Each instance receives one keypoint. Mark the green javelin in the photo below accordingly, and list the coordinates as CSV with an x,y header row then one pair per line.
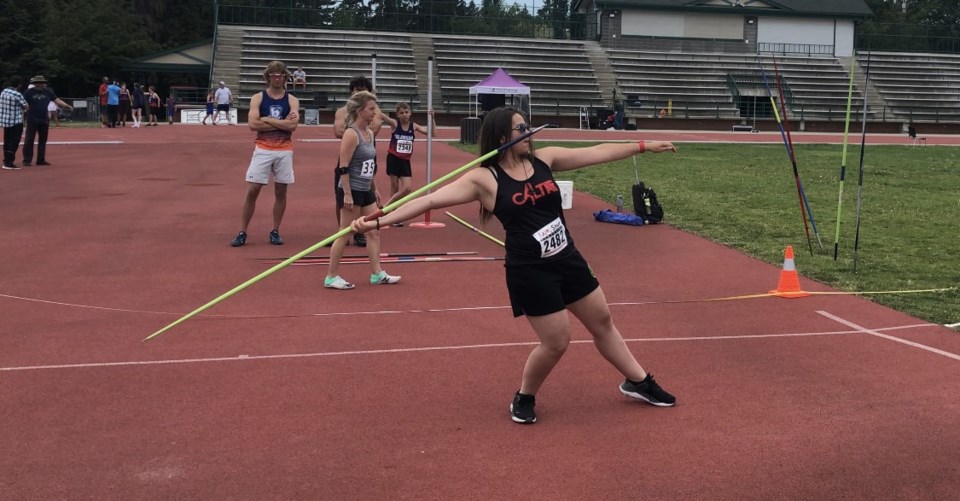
x,y
342,232
843,157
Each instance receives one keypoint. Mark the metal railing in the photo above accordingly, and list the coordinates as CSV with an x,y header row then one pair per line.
x,y
795,48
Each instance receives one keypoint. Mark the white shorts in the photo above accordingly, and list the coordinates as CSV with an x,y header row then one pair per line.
x,y
279,163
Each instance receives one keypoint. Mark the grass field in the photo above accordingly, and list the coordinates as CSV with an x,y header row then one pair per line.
x,y
744,196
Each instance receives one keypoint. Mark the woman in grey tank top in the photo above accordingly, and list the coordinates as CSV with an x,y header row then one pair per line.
x,y
357,192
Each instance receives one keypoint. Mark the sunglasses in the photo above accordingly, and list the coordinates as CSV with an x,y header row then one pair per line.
x,y
522,128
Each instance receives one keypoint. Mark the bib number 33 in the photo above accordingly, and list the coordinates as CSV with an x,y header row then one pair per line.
x,y
552,238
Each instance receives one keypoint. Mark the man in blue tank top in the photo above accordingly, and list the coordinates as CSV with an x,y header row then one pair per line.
x,y
274,115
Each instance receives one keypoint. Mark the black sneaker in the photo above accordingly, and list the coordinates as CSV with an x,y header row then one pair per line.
x,y
27,164
275,238
43,162
359,239
240,240
521,410
649,391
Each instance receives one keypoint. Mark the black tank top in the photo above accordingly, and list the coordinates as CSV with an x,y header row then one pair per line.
x,y
531,214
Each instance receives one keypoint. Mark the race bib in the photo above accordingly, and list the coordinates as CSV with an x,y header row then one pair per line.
x,y
368,168
404,146
552,238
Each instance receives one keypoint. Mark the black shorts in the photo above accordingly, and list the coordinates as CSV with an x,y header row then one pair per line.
x,y
223,107
399,167
360,198
548,287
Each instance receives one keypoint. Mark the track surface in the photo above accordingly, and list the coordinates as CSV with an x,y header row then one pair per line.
x,y
290,391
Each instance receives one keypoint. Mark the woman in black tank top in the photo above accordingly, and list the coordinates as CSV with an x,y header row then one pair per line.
x,y
546,275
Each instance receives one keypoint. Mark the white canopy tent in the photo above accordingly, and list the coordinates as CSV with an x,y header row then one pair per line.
x,y
500,82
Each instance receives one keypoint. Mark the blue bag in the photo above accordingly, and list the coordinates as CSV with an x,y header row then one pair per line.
x,y
608,216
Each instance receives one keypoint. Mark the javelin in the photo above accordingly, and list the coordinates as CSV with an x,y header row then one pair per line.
x,y
410,259
786,144
346,231
269,260
863,145
843,161
474,228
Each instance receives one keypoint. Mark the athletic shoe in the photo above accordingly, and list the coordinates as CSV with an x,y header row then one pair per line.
x,y
11,167
240,240
359,239
275,238
521,410
44,163
337,283
649,391
383,278
27,164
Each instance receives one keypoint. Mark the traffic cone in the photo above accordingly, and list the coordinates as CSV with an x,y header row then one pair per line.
x,y
789,285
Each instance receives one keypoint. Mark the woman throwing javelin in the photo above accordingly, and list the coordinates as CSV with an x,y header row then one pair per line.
x,y
545,273
357,194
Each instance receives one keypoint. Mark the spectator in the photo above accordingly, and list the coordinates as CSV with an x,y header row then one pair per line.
x,y
210,104
136,103
357,193
358,83
299,78
38,119
662,113
401,150
103,101
124,103
153,100
171,107
113,103
12,107
54,112
274,117
224,98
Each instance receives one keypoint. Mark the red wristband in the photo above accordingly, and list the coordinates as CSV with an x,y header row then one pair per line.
x,y
642,146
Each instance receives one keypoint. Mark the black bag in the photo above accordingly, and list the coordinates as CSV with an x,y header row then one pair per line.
x,y
645,202
646,205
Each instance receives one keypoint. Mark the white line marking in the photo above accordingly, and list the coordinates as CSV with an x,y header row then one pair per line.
x,y
952,326
427,348
873,332
85,142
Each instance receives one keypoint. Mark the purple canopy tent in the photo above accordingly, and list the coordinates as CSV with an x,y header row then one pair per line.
x,y
500,82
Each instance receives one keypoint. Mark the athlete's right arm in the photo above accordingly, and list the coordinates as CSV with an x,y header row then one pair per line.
x,y
253,117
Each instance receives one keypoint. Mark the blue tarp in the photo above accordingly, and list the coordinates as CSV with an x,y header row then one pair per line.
x,y
608,216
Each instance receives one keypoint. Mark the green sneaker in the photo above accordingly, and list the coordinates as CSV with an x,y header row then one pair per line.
x,y
383,278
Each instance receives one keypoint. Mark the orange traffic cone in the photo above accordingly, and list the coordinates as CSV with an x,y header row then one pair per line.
x,y
789,285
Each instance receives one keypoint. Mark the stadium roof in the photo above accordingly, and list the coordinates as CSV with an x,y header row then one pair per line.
x,y
805,8
192,58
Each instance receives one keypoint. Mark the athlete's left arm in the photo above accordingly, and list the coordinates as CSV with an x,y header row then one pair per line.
x,y
561,159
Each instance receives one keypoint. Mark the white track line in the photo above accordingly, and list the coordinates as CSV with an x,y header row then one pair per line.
x,y
874,332
84,142
952,326
423,349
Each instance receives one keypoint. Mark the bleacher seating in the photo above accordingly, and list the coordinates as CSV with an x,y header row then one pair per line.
x,y
916,87
563,77
559,73
696,83
330,59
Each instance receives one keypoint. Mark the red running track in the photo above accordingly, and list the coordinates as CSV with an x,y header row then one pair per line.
x,y
290,391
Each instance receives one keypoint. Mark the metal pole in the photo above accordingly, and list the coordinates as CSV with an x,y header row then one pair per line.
x,y
426,217
373,70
